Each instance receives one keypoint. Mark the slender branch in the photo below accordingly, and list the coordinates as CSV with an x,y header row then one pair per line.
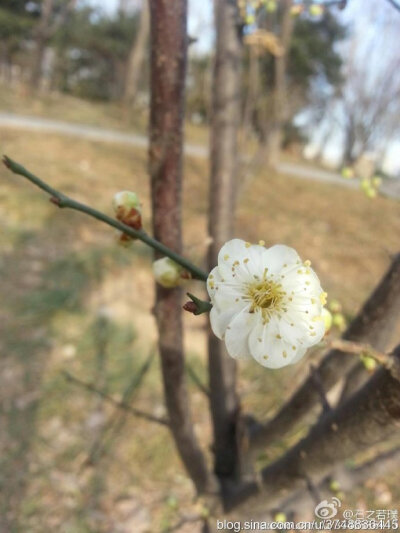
x,y
117,419
111,400
61,200
375,324
369,417
394,4
316,379
356,348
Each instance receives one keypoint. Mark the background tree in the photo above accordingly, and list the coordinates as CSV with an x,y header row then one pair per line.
x,y
53,14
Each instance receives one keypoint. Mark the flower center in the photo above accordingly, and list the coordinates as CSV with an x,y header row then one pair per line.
x,y
266,296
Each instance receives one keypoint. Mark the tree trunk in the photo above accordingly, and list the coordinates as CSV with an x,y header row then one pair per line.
x,y
41,39
136,57
275,135
375,325
224,146
44,31
168,67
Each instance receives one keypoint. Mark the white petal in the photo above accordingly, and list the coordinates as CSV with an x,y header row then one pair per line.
x,y
241,260
270,348
301,352
219,321
214,278
277,256
229,295
237,334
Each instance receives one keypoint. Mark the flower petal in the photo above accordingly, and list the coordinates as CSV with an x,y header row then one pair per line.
x,y
279,257
237,334
219,321
270,348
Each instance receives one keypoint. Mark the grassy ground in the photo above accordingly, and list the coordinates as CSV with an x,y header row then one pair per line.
x,y
67,108
71,300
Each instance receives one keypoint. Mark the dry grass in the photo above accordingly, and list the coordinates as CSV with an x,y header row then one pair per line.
x,y
64,282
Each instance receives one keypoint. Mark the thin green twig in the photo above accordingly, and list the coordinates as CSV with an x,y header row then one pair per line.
x,y
61,200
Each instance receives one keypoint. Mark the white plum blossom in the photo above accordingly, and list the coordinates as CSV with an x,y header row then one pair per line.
x,y
267,303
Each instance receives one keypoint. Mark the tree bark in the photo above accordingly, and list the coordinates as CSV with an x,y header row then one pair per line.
x,y
374,325
44,31
42,36
369,417
136,57
168,67
224,402
275,135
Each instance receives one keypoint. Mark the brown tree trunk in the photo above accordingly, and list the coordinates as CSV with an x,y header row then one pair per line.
x,y
136,57
44,31
41,39
275,135
225,119
375,325
168,67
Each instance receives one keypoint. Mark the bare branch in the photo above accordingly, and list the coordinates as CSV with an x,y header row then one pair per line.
x,y
374,324
371,416
320,388
61,200
387,360
117,420
122,405
394,4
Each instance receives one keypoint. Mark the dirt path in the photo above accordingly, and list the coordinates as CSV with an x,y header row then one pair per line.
x,y
10,120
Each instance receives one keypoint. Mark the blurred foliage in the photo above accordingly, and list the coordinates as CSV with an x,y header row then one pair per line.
x,y
313,52
92,52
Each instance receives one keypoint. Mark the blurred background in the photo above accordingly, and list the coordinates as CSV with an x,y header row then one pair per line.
x,y
74,103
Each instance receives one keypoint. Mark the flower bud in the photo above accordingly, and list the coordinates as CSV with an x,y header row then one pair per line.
x,y
335,306
327,318
347,172
339,321
369,363
371,192
334,485
376,182
280,517
127,209
271,6
316,10
168,273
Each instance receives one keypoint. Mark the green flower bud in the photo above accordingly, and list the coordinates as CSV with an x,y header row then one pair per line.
x,y
316,10
369,362
376,181
347,172
339,321
271,6
168,273
327,318
334,485
335,306
280,517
